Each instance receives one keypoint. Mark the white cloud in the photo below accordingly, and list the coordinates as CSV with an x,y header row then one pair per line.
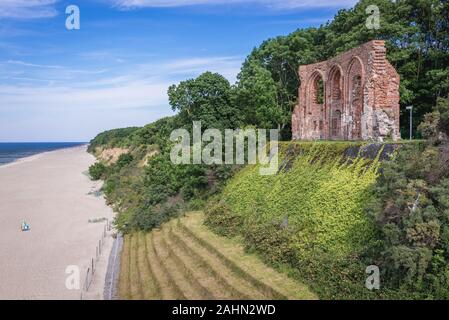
x,y
131,95
34,65
27,9
227,66
79,107
137,86
275,4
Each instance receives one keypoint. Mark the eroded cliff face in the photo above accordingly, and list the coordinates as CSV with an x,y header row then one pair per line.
x,y
109,155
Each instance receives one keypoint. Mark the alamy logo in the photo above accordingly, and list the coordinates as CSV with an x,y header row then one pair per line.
x,y
233,144
373,280
72,282
373,21
73,21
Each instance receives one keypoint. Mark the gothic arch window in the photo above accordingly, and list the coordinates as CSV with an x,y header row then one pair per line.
x,y
316,89
335,82
319,91
355,97
316,105
335,100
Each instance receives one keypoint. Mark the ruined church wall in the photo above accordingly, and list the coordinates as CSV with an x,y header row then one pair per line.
x,y
360,98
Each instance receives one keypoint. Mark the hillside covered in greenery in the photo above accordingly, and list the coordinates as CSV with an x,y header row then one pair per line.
x,y
329,212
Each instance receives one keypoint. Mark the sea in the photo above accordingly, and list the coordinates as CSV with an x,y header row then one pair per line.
x,y
11,151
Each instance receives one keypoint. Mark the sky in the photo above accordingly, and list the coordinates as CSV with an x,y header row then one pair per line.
x,y
69,85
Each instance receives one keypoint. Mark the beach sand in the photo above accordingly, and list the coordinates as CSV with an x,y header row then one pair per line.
x,y
51,192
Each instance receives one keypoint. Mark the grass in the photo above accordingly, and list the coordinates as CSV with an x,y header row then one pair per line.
x,y
184,260
231,252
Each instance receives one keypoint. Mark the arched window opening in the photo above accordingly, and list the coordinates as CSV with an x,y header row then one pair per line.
x,y
357,88
319,91
357,105
336,91
315,106
335,104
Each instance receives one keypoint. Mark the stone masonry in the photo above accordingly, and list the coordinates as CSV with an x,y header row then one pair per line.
x,y
353,96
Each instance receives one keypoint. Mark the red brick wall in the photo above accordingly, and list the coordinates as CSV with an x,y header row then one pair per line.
x,y
361,97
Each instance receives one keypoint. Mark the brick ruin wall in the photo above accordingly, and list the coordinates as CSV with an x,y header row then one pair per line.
x,y
353,96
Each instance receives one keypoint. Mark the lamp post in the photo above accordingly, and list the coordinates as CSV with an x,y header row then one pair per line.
x,y
410,108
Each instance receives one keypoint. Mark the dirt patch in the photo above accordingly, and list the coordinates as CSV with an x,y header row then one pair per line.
x,y
110,156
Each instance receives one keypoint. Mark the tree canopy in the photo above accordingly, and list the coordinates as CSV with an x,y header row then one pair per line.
x,y
206,99
416,33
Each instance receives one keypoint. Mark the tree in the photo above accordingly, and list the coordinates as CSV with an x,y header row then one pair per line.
x,y
206,99
443,110
280,57
256,94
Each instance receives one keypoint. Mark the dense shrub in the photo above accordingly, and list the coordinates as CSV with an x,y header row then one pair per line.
x,y
124,160
443,110
148,218
411,210
97,171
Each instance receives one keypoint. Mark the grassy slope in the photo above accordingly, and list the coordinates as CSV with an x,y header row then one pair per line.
x,y
309,219
323,196
184,260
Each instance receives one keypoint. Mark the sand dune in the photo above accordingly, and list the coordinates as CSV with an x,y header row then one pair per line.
x,y
50,191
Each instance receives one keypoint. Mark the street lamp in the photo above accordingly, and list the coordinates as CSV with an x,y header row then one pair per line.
x,y
410,108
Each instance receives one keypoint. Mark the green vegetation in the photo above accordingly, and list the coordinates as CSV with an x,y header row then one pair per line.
x,y
325,218
206,99
312,195
144,186
97,171
309,218
416,34
328,213
184,260
411,210
112,138
417,40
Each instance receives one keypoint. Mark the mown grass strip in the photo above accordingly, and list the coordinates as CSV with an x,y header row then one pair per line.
x,y
267,290
185,269
167,290
179,293
150,288
124,288
136,292
235,293
251,263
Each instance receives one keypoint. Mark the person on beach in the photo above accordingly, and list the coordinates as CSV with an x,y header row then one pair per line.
x,y
25,226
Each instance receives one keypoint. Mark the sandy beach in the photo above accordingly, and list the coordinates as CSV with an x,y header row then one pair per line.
x,y
52,193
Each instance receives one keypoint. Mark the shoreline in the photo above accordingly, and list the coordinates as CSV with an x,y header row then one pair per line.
x,y
51,191
38,155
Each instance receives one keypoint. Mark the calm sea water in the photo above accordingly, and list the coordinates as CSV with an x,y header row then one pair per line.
x,y
10,152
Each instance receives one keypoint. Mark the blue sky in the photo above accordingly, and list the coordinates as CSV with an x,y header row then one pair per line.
x,y
61,85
